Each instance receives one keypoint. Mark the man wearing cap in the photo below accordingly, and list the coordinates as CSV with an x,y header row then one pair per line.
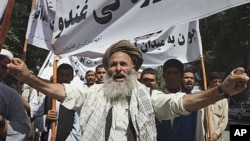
x,y
121,108
5,57
13,118
182,128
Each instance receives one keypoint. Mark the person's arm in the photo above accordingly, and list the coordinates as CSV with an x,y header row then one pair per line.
x,y
20,71
235,83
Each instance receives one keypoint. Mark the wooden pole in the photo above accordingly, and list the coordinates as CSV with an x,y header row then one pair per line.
x,y
53,124
207,109
25,46
6,21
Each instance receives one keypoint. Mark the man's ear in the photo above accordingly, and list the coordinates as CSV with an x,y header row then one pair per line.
x,y
134,67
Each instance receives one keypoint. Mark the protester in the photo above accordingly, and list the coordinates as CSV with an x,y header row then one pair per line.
x,y
13,117
170,130
68,125
90,77
29,98
218,110
100,73
121,108
149,78
188,81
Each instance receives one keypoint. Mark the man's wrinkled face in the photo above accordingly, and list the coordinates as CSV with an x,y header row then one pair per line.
x,y
3,69
120,62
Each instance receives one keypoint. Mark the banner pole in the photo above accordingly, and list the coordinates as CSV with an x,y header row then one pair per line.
x,y
6,21
53,123
207,109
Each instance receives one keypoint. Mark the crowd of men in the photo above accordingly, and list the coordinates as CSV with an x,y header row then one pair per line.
x,y
113,104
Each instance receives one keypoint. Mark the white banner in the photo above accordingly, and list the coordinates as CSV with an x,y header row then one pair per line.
x,y
81,25
3,4
80,65
41,23
182,42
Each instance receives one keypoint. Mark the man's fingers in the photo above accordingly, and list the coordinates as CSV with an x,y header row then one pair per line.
x,y
238,71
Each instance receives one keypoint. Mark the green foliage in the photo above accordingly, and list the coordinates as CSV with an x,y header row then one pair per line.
x,y
225,39
15,38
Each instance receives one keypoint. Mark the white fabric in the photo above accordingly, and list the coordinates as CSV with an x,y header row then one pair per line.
x,y
81,25
2,7
30,95
120,112
84,36
89,100
6,53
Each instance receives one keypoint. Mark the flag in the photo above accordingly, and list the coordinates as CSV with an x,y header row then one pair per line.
x,y
81,25
80,65
3,7
158,28
41,23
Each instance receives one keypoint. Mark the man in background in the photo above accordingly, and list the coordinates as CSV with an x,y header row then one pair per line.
x,y
218,110
68,122
182,128
90,77
188,81
100,73
149,78
14,122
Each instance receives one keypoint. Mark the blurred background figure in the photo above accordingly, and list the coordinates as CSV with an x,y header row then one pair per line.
x,y
149,78
100,73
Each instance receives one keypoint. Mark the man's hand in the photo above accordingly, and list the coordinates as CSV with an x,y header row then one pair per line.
x,y
18,69
52,115
235,82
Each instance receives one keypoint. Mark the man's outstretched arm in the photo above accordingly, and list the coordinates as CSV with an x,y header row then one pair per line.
x,y
234,83
19,70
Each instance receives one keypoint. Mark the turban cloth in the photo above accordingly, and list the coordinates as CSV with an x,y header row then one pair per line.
x,y
126,47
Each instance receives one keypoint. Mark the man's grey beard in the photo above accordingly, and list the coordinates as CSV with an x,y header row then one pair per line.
x,y
115,90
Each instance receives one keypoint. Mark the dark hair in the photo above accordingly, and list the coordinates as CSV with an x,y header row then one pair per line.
x,y
216,75
65,66
149,71
99,66
173,63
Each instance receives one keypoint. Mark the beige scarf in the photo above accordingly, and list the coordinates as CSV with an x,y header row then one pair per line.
x,y
141,110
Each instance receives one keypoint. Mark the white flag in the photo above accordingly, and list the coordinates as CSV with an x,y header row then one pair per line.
x,y
3,4
81,25
80,65
41,23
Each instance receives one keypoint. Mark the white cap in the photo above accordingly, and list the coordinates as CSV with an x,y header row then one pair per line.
x,y
6,53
